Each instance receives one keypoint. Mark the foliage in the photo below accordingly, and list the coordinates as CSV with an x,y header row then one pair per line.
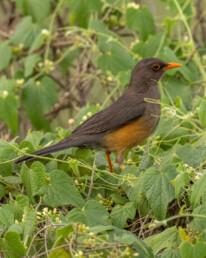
x,y
70,55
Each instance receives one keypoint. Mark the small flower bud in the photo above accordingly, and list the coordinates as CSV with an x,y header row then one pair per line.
x,y
45,32
84,118
71,121
133,5
20,82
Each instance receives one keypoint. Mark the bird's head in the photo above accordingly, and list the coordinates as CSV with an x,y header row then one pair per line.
x,y
152,68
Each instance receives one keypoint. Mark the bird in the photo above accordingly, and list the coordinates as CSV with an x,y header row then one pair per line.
x,y
127,122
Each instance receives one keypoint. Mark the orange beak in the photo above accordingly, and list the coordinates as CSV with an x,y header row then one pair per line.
x,y
170,66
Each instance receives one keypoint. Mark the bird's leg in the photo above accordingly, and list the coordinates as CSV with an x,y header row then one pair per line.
x,y
119,159
109,161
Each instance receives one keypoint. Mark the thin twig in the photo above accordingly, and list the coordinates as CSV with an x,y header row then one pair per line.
x,y
76,235
51,250
63,43
191,56
61,85
92,180
52,20
143,223
45,244
103,248
48,226
5,34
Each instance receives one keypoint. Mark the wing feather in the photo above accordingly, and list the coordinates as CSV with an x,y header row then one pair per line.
x,y
125,110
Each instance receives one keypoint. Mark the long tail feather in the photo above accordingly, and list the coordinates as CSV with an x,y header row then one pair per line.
x,y
57,147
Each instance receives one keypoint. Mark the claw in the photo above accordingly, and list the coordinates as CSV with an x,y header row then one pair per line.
x,y
121,166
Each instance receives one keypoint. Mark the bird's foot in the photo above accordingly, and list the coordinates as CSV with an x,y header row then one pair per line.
x,y
121,166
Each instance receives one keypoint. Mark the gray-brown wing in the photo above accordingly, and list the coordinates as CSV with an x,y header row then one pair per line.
x,y
126,109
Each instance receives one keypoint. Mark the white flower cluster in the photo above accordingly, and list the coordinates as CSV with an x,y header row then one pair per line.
x,y
133,5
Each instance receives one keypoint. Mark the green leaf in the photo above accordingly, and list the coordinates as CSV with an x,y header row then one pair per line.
x,y
34,137
29,64
92,214
181,180
12,180
95,213
7,153
39,41
170,23
14,243
18,206
202,113
77,215
124,77
62,233
5,169
120,214
8,85
125,237
68,60
187,9
2,191
5,54
33,178
62,191
118,59
165,129
30,222
167,238
26,32
193,251
82,10
158,189
8,107
26,146
6,215
198,189
134,193
74,165
38,9
170,253
106,37
175,87
190,155
37,98
118,199
141,20
60,253
18,228
199,223
168,55
151,46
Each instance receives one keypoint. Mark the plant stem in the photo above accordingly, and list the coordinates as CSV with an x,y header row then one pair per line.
x,y
50,29
196,58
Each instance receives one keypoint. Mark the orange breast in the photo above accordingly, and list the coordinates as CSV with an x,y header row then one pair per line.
x,y
127,137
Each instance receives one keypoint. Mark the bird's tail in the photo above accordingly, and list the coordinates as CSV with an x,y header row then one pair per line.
x,y
57,147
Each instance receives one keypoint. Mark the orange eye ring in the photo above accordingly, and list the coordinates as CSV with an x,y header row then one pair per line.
x,y
156,67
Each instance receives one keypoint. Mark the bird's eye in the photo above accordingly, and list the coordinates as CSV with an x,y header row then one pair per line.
x,y
156,67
